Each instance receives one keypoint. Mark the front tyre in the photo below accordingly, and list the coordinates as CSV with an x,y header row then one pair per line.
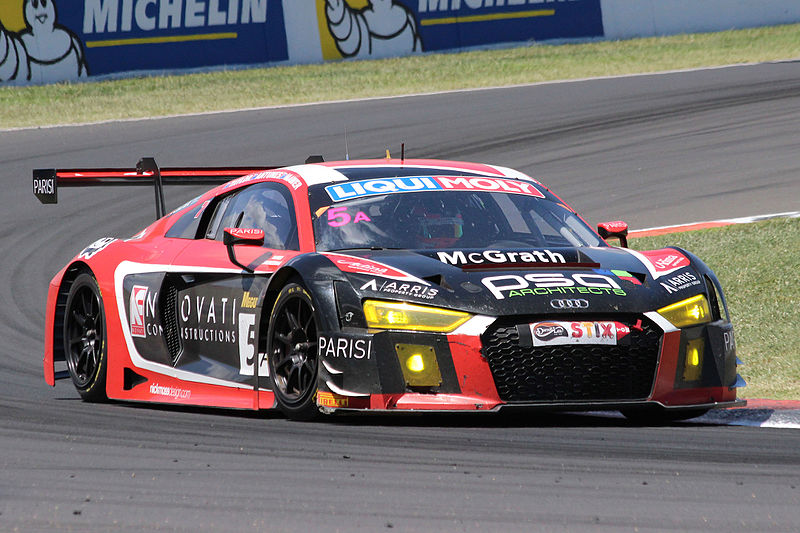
x,y
85,338
292,353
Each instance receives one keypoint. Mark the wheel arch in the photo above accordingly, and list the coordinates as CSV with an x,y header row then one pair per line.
x,y
317,274
69,276
87,324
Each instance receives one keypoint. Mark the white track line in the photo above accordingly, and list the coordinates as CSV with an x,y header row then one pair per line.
x,y
740,220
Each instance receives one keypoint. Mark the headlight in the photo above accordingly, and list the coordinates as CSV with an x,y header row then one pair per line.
x,y
400,315
688,312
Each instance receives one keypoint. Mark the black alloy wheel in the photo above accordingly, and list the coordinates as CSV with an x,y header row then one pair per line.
x,y
85,338
292,353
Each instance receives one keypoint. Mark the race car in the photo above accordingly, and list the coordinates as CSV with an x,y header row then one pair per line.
x,y
389,285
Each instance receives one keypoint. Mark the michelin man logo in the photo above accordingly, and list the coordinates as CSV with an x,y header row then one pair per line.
x,y
381,28
41,51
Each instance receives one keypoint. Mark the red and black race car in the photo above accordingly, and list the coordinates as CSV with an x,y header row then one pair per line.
x,y
383,285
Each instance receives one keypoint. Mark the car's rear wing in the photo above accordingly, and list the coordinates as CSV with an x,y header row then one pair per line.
x,y
46,182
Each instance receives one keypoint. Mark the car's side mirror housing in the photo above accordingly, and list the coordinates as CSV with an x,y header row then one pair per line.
x,y
615,230
241,237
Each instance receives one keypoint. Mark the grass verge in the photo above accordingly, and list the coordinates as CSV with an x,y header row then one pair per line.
x,y
235,89
758,267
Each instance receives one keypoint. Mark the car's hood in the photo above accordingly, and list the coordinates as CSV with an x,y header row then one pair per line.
x,y
525,281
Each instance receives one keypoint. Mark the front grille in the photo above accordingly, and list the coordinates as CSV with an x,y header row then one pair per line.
x,y
169,321
572,372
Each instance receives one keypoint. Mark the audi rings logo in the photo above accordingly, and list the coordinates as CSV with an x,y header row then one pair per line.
x,y
572,303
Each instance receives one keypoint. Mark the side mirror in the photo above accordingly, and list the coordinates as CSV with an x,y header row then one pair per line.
x,y
616,230
241,236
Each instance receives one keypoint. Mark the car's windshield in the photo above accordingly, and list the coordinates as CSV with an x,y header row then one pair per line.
x,y
452,219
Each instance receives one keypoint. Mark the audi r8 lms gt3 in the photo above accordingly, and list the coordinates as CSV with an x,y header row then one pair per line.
x,y
383,285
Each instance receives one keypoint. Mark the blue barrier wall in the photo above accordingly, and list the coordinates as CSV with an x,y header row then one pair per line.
x,y
442,29
380,28
43,41
126,35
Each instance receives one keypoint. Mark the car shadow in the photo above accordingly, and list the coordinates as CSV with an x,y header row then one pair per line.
x,y
518,417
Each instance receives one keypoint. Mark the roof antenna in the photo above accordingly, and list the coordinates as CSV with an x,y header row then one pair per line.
x,y
402,153
346,149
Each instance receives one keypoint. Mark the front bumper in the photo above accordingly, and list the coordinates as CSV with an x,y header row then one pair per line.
x,y
492,368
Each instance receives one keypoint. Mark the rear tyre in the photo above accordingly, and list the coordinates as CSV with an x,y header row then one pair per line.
x,y
292,353
85,338
659,415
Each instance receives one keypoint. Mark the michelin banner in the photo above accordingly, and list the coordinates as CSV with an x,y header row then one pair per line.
x,y
380,28
45,41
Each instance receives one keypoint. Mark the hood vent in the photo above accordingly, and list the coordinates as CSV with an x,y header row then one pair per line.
x,y
438,279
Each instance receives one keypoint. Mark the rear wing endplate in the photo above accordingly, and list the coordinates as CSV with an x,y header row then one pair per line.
x,y
46,182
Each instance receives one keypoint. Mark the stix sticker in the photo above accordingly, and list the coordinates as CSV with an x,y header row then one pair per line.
x,y
558,333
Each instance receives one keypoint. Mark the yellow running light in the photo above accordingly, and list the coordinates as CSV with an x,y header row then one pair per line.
x,y
688,312
401,315
419,365
693,364
416,363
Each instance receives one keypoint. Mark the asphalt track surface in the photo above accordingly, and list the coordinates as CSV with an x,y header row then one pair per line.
x,y
653,150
